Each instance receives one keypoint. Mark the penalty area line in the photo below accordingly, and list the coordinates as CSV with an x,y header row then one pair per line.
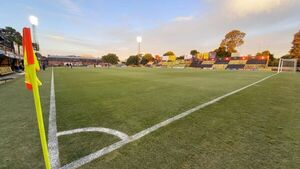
x,y
116,133
86,159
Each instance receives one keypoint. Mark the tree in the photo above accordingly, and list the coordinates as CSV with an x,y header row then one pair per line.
x,y
194,52
272,60
11,35
232,40
287,56
169,53
180,58
110,58
266,53
258,54
147,58
295,50
157,58
133,60
222,53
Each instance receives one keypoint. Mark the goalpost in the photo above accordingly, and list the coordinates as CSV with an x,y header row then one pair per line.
x,y
287,65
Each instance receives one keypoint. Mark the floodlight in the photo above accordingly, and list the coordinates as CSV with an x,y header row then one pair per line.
x,y
139,39
33,20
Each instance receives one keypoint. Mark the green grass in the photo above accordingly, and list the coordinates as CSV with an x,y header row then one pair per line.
x,y
256,128
19,138
74,147
131,100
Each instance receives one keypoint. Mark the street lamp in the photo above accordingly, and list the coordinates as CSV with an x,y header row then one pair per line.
x,y
34,23
139,41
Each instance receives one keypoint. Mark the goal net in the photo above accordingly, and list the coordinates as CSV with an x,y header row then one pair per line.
x,y
287,65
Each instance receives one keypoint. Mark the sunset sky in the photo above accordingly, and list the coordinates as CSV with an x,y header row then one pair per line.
x,y
98,27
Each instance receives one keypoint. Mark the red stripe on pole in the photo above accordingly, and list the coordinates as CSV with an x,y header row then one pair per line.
x,y
27,45
28,86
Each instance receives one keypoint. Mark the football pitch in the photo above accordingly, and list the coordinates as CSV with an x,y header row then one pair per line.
x,y
156,118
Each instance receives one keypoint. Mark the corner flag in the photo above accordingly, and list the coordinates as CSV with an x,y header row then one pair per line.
x,y
32,83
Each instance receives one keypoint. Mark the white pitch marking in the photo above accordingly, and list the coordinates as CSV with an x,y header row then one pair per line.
x,y
52,130
86,159
119,134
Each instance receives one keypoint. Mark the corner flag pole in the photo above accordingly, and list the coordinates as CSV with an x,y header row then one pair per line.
x,y
33,83
40,120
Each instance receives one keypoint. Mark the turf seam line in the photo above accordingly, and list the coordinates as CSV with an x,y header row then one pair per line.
x,y
86,159
117,133
52,129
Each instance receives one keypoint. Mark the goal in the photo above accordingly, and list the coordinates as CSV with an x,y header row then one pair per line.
x,y
287,65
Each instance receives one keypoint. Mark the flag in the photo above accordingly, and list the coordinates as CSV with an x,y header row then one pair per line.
x,y
32,83
30,59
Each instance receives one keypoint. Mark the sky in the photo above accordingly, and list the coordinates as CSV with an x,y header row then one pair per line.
x,y
97,27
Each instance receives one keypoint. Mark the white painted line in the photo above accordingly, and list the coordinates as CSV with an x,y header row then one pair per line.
x,y
52,130
117,133
117,145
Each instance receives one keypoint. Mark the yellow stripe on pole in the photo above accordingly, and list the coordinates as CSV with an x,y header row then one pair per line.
x,y
39,115
32,83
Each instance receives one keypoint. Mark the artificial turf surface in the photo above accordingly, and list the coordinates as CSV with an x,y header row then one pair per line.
x,y
256,128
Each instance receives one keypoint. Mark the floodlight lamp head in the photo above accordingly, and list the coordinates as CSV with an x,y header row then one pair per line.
x,y
33,20
139,39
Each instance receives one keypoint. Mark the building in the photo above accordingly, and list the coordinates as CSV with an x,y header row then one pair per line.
x,y
55,60
10,58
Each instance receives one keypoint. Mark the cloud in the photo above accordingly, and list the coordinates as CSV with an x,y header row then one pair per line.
x,y
183,18
71,40
70,6
59,44
247,7
55,37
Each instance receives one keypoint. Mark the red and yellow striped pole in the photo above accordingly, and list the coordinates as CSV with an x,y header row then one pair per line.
x,y
32,83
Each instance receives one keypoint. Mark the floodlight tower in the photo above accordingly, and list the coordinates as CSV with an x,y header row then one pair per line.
x,y
34,23
139,41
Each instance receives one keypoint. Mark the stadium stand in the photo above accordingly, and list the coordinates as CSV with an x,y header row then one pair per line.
x,y
54,60
235,67
196,63
208,64
174,64
10,58
254,64
180,64
236,64
233,63
5,70
220,64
